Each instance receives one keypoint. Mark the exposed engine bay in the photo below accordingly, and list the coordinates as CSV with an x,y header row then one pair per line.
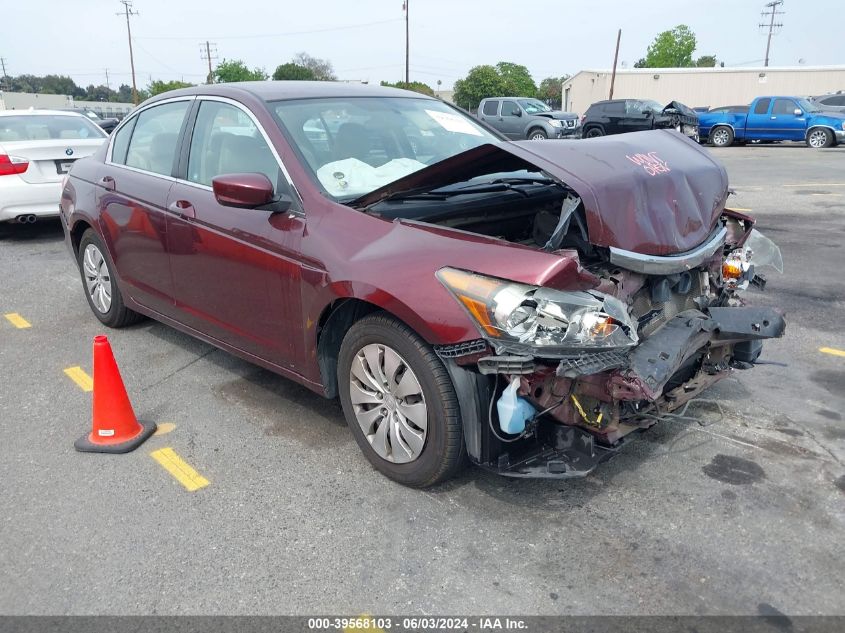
x,y
562,375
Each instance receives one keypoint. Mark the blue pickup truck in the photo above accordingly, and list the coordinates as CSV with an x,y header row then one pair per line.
x,y
774,119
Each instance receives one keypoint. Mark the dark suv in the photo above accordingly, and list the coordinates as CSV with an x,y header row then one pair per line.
x,y
634,115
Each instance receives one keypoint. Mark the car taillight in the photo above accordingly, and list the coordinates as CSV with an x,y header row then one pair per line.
x,y
12,165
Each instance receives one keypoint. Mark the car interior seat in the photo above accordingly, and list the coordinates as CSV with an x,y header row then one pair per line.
x,y
247,154
352,141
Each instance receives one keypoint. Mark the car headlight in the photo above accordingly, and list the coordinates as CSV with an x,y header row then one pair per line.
x,y
555,122
514,316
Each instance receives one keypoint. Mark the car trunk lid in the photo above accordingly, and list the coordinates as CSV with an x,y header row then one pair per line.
x,y
49,159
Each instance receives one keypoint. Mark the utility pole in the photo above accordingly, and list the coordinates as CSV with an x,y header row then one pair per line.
x,y
615,59
771,13
206,53
407,46
108,86
128,11
4,75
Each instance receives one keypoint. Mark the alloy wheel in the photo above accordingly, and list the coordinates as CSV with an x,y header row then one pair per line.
x,y
388,402
97,278
720,137
818,139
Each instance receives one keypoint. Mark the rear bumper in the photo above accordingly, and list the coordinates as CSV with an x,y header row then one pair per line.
x,y
18,197
594,402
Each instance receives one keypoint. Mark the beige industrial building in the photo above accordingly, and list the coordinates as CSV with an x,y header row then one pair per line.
x,y
700,87
26,100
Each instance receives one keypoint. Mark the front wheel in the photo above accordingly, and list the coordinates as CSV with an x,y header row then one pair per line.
x,y
100,285
537,135
400,402
819,138
721,136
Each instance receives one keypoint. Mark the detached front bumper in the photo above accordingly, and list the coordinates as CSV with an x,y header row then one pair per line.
x,y
593,401
840,136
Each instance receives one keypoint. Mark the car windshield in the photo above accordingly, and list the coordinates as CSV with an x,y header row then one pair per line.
x,y
532,106
47,126
355,145
807,106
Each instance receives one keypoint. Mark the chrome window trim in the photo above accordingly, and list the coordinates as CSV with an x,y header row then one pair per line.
x,y
135,113
264,134
669,264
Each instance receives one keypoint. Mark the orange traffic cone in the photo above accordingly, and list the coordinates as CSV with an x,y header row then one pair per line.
x,y
115,427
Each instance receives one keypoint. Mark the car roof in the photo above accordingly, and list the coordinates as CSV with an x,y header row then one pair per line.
x,y
281,90
40,113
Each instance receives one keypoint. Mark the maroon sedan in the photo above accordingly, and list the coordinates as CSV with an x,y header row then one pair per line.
x,y
527,305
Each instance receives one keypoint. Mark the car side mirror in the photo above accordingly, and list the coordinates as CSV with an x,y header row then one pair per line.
x,y
517,112
247,191
647,112
797,112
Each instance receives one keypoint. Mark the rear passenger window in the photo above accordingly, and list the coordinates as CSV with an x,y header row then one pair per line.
x,y
227,141
156,136
120,144
784,106
490,108
762,106
617,107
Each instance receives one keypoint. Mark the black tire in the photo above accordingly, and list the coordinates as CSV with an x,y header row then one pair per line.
x,y
593,132
443,453
118,315
819,132
721,136
537,134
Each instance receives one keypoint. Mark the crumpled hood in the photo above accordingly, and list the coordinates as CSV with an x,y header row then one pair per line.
x,y
655,192
557,114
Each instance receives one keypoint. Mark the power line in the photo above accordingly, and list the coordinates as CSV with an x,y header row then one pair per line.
x,y
289,33
771,13
208,53
128,11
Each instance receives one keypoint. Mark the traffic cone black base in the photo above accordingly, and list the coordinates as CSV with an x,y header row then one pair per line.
x,y
85,445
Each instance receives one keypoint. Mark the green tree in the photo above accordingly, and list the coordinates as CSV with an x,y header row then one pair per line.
x,y
481,82
292,71
670,49
706,61
236,70
550,90
518,81
97,93
157,87
322,68
415,86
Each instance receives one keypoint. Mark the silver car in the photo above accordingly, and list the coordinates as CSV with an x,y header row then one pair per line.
x,y
520,118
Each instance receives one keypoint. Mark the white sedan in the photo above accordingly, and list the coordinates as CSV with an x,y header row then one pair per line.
x,y
37,149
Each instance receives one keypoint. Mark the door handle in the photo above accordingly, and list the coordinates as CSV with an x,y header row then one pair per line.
x,y
183,208
107,182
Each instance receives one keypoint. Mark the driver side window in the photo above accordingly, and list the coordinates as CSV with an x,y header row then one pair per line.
x,y
226,141
509,108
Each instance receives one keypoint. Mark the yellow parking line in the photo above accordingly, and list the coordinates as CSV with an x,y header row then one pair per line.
x,y
78,375
832,350
180,469
17,320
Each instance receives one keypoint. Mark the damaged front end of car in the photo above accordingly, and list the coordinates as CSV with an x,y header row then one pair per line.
x,y
561,376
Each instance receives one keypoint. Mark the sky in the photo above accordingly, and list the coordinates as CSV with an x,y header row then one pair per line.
x,y
365,39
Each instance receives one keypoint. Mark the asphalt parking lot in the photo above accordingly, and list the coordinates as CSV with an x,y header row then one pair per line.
x,y
738,515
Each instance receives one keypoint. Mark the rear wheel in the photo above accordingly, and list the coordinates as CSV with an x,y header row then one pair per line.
x,y
537,135
400,403
100,285
820,137
593,132
721,136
